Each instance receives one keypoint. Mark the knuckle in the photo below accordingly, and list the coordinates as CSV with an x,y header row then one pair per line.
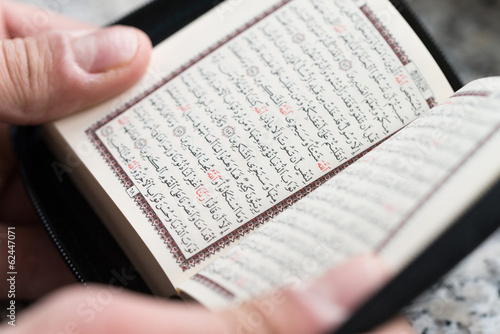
x,y
247,318
12,71
285,312
25,76
265,315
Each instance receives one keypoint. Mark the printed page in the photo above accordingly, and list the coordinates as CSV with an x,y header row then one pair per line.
x,y
393,201
282,97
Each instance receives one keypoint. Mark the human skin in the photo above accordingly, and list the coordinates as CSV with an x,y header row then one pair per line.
x,y
51,69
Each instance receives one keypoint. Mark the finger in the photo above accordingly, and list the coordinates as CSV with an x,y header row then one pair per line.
x,y
319,307
55,73
22,20
322,306
40,268
104,310
397,326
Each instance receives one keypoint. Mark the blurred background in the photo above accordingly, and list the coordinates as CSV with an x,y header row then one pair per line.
x,y
468,31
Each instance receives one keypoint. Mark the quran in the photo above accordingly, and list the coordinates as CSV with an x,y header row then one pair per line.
x,y
271,140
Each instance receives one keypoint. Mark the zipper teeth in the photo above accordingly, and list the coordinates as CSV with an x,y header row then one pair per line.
x,y
41,214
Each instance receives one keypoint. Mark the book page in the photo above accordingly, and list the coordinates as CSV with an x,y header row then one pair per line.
x,y
283,96
393,201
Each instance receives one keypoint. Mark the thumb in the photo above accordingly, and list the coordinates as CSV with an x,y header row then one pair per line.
x,y
58,72
316,308
319,307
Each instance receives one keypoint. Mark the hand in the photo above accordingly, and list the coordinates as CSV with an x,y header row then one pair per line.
x,y
58,69
47,71
319,307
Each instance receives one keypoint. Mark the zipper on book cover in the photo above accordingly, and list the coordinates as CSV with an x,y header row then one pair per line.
x,y
45,221
52,235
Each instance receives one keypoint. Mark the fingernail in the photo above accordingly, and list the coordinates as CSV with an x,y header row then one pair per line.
x,y
334,296
105,49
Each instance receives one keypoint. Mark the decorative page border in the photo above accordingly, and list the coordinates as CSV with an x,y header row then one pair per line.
x,y
141,202
219,289
384,32
392,42
472,93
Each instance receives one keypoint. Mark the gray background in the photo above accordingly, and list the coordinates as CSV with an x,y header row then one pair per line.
x,y
468,31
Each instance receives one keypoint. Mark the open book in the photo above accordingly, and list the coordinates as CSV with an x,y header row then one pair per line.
x,y
272,139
